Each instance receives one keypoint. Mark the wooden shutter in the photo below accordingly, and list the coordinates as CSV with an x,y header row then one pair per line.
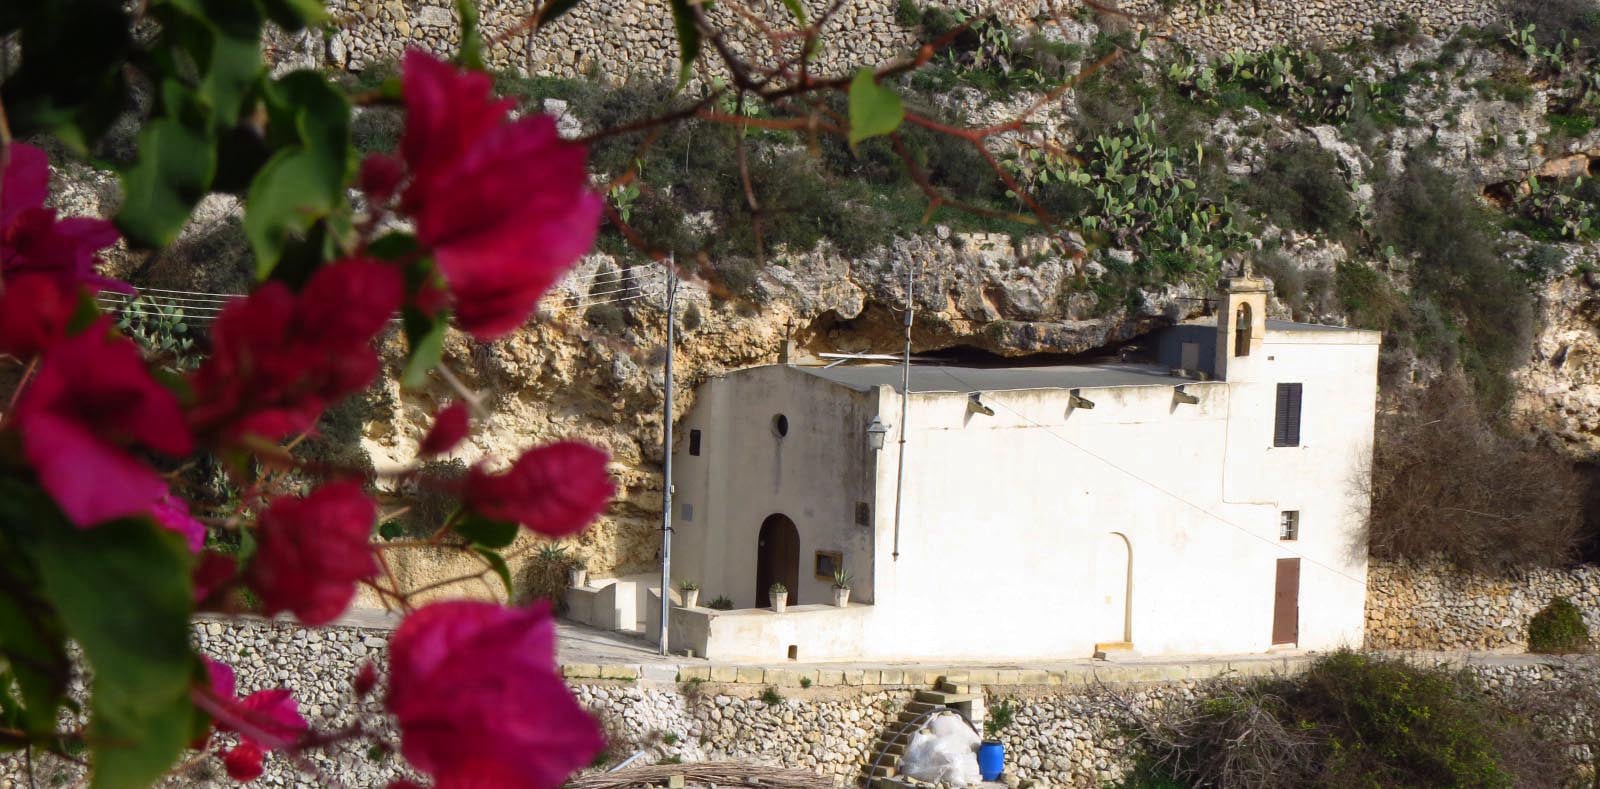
x,y
1286,420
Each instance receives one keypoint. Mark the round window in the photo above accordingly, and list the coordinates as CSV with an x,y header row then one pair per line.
x,y
780,425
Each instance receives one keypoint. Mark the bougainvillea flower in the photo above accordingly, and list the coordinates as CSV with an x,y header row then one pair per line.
x,y
365,680
91,402
172,513
505,206
265,719
450,425
555,490
33,240
34,311
313,551
212,572
243,761
479,702
279,358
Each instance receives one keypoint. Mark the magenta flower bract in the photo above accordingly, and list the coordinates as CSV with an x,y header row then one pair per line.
x,y
91,402
34,241
313,551
450,425
504,205
479,702
555,490
279,358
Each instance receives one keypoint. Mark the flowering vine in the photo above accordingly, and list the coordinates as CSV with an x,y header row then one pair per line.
x,y
97,542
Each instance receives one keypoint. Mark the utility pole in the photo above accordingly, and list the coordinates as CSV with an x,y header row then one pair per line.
x,y
666,454
905,400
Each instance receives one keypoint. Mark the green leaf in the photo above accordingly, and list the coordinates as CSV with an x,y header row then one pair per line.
x,y
471,55
485,532
498,562
294,15
286,198
554,9
796,10
174,170
122,589
425,341
31,635
688,39
874,109
71,80
304,181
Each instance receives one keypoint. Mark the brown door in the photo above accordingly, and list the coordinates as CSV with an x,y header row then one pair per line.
x,y
1286,603
778,559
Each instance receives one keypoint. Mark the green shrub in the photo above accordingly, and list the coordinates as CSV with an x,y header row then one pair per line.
x,y
1350,720
1558,629
1302,187
771,697
1429,215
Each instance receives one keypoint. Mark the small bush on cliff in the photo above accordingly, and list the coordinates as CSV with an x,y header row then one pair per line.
x,y
1350,720
1301,187
1430,216
1447,485
1558,629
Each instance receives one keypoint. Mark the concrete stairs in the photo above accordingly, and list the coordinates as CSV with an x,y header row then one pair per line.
x,y
883,766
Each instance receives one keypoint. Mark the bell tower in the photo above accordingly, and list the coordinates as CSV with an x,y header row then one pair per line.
x,y
1241,323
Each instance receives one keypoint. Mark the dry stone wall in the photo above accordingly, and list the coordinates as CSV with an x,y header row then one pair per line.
x,y
1070,732
1435,607
618,39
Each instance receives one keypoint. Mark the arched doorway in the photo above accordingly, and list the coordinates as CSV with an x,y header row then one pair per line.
x,y
1113,573
777,559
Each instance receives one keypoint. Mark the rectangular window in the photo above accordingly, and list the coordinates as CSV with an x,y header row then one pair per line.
x,y
827,563
1289,525
1286,424
863,514
694,442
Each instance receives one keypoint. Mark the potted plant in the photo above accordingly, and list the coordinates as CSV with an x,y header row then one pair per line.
x,y
841,588
578,574
780,597
691,593
992,753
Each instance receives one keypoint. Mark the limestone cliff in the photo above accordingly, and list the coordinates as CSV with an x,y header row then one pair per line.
x,y
567,376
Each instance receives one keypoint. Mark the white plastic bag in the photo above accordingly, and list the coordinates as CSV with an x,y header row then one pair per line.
x,y
944,752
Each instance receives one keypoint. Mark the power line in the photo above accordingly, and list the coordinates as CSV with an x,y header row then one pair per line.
x,y
1180,499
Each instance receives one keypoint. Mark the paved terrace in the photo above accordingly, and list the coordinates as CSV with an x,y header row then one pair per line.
x,y
591,653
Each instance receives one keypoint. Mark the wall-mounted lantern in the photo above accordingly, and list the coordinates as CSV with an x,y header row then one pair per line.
x,y
876,430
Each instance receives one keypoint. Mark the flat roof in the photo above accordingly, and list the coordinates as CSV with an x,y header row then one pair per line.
x,y
965,380
1277,325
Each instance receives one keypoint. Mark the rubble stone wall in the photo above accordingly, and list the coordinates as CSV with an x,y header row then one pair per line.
x,y
616,39
1434,607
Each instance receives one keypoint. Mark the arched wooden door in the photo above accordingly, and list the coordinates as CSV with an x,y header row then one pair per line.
x,y
778,559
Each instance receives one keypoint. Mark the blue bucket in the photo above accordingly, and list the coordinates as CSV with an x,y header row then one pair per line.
x,y
991,760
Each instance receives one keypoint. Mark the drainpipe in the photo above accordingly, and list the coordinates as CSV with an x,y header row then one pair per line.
x,y
905,401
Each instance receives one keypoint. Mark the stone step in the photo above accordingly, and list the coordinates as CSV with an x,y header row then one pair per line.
x,y
943,699
921,706
945,685
895,737
1110,650
906,716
